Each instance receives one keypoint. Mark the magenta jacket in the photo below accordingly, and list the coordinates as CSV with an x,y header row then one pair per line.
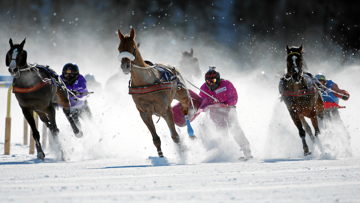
x,y
225,93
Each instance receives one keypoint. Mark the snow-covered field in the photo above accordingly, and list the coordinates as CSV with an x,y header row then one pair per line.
x,y
116,160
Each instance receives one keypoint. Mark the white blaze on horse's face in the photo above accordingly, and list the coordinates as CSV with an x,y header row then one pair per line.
x,y
13,59
294,61
126,54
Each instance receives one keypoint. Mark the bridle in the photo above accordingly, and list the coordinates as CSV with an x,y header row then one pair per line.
x,y
126,54
15,71
294,57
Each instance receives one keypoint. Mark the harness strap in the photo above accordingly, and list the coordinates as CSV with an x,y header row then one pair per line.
x,y
150,89
35,87
294,53
298,93
216,100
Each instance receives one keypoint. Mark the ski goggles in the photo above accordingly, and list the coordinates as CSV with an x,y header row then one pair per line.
x,y
211,80
69,74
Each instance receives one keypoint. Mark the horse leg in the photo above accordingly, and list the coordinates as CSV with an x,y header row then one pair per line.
x,y
169,118
64,101
183,97
48,117
147,118
307,128
320,106
314,121
298,124
28,113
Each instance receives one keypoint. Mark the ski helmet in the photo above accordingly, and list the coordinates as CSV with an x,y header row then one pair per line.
x,y
212,78
70,73
321,78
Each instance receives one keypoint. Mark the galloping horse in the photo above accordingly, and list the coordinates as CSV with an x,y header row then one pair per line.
x,y
302,98
35,91
189,65
151,94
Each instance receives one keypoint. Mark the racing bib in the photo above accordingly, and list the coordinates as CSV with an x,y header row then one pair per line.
x,y
223,89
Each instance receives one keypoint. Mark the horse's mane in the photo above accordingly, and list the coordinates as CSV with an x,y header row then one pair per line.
x,y
164,65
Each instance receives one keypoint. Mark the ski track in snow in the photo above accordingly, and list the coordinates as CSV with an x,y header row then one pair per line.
x,y
116,160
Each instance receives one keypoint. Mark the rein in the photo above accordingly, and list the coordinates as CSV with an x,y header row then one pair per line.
x,y
34,68
326,88
216,100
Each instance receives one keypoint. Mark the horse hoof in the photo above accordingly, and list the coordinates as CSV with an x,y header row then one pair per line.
x,y
193,137
64,156
245,158
79,134
307,153
41,155
160,154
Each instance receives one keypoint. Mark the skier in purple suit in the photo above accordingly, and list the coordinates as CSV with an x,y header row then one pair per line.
x,y
78,94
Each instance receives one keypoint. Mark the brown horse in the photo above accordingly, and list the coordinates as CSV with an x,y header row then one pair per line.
x,y
151,95
302,98
189,65
35,91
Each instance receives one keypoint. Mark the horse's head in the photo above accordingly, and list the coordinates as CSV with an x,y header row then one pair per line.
x,y
16,58
188,61
128,51
186,54
294,62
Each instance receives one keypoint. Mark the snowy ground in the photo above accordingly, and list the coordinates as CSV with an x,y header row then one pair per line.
x,y
24,179
116,160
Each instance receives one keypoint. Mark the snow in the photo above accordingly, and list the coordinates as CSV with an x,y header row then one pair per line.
x,y
116,160
122,179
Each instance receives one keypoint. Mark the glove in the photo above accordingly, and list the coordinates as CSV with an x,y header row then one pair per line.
x,y
345,97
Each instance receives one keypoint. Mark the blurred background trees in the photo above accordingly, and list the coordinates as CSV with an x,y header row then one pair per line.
x,y
242,27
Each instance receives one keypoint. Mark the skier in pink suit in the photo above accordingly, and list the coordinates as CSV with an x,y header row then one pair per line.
x,y
219,97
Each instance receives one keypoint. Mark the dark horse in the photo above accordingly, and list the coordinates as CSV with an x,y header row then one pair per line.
x,y
302,98
151,95
189,65
35,91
